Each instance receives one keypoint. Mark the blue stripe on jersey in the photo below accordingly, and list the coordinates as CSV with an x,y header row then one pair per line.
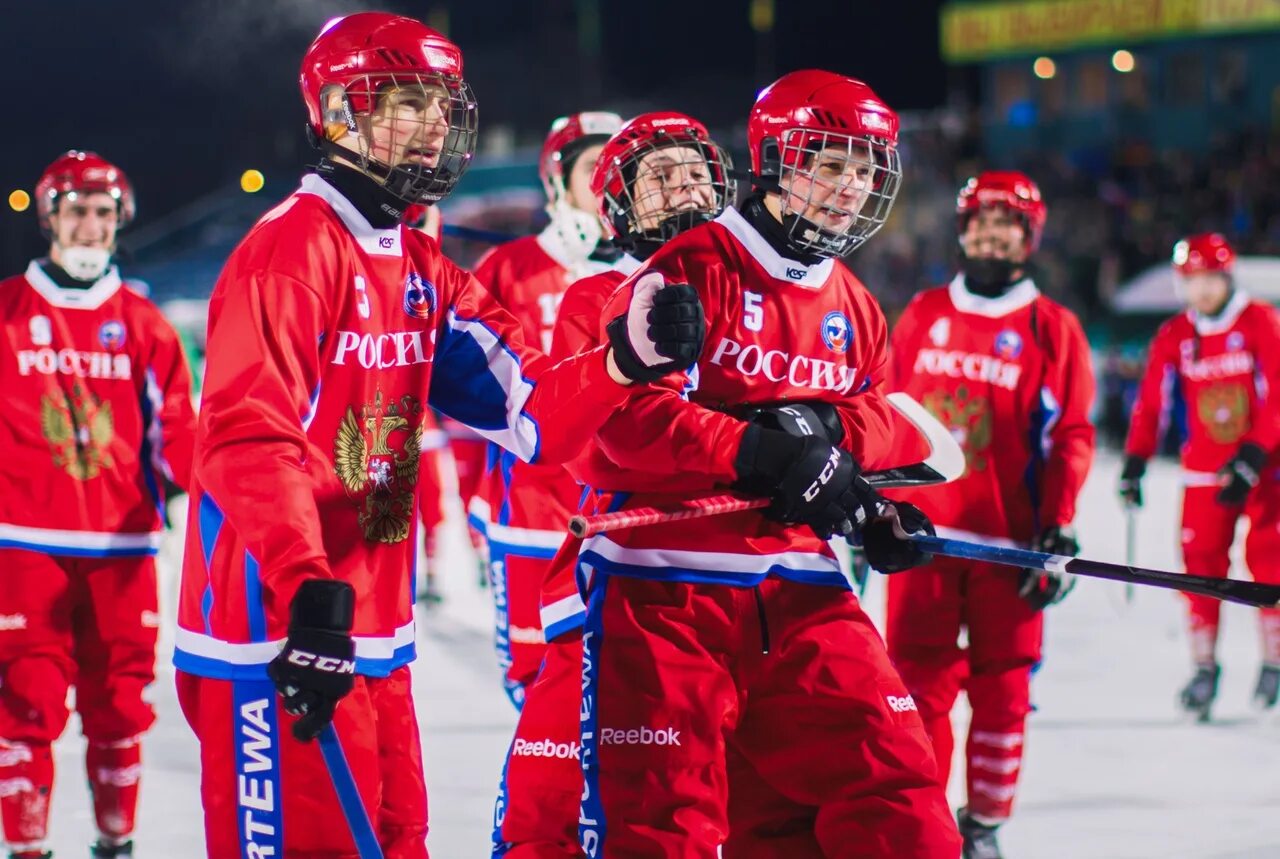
x,y
145,452
501,606
76,551
478,381
221,669
541,553
1043,420
311,405
344,783
260,797
712,577
591,822
209,520
501,847
506,461
256,612
560,627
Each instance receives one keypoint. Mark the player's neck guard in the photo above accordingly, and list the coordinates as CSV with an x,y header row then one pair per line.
x,y
990,277
381,208
755,213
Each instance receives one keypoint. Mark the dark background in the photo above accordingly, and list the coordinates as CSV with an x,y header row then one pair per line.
x,y
184,96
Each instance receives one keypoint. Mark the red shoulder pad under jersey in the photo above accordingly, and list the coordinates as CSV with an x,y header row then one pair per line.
x,y
1154,402
1070,438
1263,324
578,319
770,339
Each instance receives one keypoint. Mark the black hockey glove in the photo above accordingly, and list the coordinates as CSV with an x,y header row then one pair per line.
x,y
661,332
1130,488
1043,588
1240,474
800,418
810,481
317,666
884,538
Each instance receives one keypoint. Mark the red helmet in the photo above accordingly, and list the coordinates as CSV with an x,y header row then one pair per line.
x,y
1007,188
1204,252
614,179
806,112
359,59
568,136
77,171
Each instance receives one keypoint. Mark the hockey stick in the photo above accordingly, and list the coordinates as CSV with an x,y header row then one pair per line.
x,y
1130,546
1230,590
944,464
475,234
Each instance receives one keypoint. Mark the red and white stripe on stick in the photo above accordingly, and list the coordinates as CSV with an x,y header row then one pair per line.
x,y
944,464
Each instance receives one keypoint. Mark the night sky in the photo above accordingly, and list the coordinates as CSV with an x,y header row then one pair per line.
x,y
185,95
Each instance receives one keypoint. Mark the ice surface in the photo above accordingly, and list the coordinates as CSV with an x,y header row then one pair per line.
x,y
1112,771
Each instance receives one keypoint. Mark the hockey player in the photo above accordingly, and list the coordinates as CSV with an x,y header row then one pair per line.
x,y
1222,352
331,329
658,176
100,422
1008,370
528,505
718,647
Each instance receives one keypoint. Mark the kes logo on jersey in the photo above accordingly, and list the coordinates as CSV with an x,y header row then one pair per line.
x,y
78,430
382,480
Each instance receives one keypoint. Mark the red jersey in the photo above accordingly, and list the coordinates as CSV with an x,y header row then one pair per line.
x,y
328,339
777,330
1012,379
98,417
1228,368
529,505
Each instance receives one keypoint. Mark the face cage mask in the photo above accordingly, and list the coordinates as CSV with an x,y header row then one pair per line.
x,y
624,207
408,181
802,159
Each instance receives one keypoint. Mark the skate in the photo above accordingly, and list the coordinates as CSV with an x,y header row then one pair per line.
x,y
107,851
1197,696
979,839
430,594
1267,691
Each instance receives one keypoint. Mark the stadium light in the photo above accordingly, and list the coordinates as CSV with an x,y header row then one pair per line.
x,y
19,200
1123,61
1044,68
251,181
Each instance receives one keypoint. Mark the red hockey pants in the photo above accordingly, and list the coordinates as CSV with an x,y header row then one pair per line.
x,y
927,608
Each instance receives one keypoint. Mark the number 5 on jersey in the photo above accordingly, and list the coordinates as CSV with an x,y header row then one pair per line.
x,y
753,311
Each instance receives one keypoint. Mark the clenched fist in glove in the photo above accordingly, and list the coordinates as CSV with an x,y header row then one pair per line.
x,y
661,332
1043,588
1130,488
810,481
317,667
884,538
1240,474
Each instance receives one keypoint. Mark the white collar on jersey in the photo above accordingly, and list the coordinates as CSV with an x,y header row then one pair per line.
x,y
627,265
375,242
1019,296
80,299
553,246
1207,326
778,266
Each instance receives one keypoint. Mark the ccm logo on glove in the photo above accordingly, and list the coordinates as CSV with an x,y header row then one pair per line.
x,y
322,663
824,476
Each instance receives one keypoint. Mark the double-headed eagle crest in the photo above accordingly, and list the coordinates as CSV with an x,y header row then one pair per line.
x,y
1224,411
376,457
78,430
969,420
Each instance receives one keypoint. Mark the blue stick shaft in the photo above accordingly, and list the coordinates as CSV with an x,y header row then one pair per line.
x,y
1231,590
